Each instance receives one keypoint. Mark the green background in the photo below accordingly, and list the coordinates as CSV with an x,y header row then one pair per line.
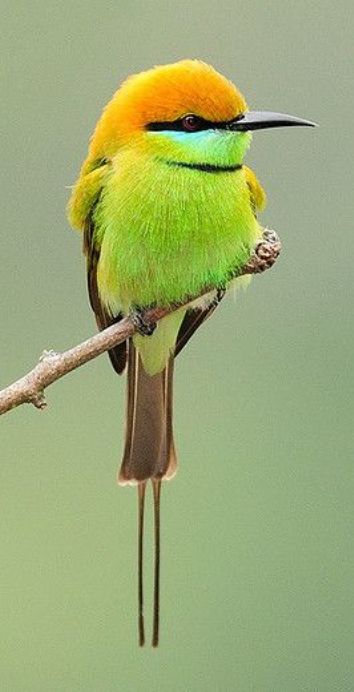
x,y
257,574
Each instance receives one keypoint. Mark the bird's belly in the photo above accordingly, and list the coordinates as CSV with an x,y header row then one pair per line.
x,y
167,236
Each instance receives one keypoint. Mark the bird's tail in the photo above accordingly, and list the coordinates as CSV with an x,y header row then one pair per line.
x,y
149,454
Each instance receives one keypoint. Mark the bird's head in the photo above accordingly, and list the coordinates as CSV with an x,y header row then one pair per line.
x,y
185,112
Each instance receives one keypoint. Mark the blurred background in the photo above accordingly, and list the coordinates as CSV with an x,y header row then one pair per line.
x,y
258,568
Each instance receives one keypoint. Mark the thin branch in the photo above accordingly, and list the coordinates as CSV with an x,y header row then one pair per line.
x,y
52,366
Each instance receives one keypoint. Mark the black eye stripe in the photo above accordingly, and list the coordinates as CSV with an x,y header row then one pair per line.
x,y
178,126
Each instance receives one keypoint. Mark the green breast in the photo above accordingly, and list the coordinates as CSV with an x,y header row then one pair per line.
x,y
167,231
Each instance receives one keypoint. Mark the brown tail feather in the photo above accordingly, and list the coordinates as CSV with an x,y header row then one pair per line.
x,y
149,450
148,454
156,486
141,506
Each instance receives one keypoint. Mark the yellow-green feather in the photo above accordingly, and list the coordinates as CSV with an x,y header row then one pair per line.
x,y
164,231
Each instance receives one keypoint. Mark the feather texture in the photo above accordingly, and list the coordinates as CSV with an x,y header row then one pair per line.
x,y
164,214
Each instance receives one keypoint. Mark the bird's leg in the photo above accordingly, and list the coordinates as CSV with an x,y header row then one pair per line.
x,y
143,326
220,292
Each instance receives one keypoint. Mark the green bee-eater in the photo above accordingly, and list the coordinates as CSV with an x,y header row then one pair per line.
x,y
166,207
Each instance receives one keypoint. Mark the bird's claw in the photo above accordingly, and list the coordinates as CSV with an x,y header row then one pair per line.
x,y
220,292
143,326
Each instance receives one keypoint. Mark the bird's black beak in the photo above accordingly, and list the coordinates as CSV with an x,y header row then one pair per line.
x,y
259,120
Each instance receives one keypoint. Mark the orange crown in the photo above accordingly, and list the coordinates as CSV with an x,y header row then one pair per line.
x,y
164,93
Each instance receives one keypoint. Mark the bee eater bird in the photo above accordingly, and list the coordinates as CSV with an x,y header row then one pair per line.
x,y
166,207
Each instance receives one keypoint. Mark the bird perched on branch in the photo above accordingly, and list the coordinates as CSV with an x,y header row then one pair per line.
x,y
166,207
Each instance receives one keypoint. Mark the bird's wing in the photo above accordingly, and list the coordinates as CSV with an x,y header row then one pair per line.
x,y
84,199
258,196
192,320
195,318
118,354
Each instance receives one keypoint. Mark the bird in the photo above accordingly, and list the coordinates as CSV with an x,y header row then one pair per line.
x,y
167,207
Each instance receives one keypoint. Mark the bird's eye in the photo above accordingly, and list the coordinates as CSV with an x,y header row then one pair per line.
x,y
191,123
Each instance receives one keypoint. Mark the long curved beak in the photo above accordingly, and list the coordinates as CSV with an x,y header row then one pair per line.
x,y
259,120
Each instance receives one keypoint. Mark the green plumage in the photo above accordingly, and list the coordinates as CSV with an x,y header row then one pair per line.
x,y
165,232
167,209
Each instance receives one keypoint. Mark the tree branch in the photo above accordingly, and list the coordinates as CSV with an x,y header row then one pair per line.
x,y
52,366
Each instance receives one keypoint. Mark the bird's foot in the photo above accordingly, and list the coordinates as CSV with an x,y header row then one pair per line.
x,y
143,326
220,292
